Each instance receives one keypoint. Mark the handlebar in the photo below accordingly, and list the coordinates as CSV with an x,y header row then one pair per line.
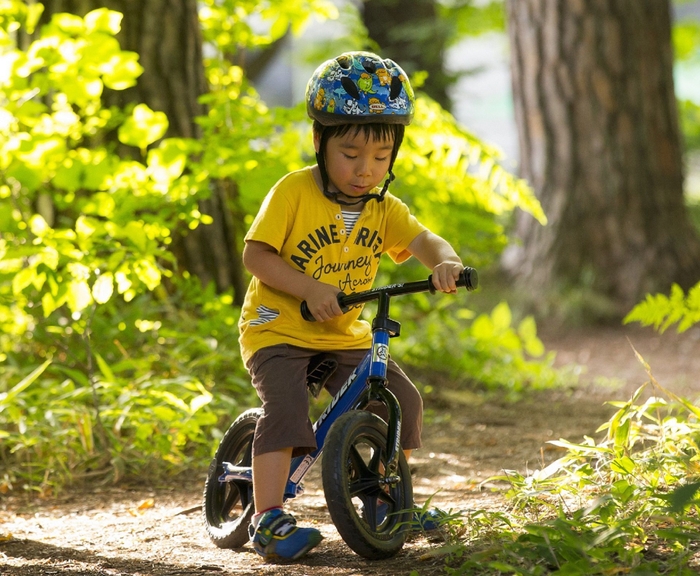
x,y
467,278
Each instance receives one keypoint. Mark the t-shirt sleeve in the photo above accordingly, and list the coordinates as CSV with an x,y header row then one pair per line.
x,y
402,228
272,223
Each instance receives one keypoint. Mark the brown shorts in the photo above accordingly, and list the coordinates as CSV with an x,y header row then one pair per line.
x,y
279,376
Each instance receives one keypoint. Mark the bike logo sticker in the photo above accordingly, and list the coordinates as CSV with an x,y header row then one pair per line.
x,y
380,353
301,470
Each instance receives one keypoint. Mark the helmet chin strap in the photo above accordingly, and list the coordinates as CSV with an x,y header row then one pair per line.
x,y
334,196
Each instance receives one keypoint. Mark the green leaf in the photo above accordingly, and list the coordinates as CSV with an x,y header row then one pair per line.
x,y
103,288
624,465
22,279
122,72
682,496
7,397
527,330
105,370
501,317
103,20
79,296
135,232
200,401
167,162
68,23
148,273
143,127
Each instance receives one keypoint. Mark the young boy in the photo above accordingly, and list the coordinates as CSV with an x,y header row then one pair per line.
x,y
321,231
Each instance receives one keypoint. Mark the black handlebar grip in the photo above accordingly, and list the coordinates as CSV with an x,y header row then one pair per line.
x,y
306,313
469,278
309,317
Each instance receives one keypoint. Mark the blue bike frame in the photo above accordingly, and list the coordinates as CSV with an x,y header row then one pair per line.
x,y
368,380
366,383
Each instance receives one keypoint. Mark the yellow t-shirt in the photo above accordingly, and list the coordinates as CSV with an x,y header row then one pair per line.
x,y
308,231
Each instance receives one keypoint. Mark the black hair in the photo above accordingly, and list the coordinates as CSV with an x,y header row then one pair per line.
x,y
375,130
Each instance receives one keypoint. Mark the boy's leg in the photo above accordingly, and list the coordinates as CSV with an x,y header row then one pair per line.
x,y
270,470
279,376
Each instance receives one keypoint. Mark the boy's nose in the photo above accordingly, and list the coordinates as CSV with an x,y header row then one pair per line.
x,y
363,168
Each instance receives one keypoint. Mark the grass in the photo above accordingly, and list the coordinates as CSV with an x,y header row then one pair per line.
x,y
624,504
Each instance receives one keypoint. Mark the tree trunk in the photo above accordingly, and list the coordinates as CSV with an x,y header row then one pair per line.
x,y
599,142
412,34
166,34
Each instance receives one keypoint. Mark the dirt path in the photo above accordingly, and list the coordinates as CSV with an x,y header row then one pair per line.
x,y
105,533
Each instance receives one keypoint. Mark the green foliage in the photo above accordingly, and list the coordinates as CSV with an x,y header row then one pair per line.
x,y
690,123
686,48
456,185
625,504
470,18
686,39
661,311
112,361
227,23
166,376
486,350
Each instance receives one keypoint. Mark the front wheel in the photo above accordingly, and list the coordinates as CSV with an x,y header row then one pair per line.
x,y
371,513
228,507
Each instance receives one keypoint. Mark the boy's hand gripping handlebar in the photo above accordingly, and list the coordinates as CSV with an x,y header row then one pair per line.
x,y
467,278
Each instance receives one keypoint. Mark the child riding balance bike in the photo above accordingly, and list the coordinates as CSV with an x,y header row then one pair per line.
x,y
318,239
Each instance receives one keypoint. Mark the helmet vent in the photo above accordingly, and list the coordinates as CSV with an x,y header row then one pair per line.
x,y
350,87
395,89
344,62
370,66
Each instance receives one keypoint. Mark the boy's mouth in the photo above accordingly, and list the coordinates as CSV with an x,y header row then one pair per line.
x,y
358,189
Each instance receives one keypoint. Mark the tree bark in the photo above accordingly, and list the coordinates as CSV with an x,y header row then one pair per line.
x,y
600,143
166,34
412,34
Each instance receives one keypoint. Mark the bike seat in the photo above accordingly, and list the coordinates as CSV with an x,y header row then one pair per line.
x,y
321,367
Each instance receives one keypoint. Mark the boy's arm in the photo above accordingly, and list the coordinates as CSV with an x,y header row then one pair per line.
x,y
263,262
437,254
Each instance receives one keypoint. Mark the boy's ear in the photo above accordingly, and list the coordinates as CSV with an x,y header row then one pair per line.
x,y
317,141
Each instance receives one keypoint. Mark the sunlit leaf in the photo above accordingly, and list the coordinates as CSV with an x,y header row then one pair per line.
x,y
103,288
103,20
7,397
79,295
143,127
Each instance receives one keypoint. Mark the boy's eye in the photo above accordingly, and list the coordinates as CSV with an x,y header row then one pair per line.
x,y
382,159
349,157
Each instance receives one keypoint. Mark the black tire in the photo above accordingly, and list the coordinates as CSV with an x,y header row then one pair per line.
x,y
354,455
228,507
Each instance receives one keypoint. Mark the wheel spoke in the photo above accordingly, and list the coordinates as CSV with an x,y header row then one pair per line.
x,y
231,499
365,479
370,511
357,462
377,461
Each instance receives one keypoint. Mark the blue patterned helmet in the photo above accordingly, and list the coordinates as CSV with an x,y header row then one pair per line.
x,y
360,88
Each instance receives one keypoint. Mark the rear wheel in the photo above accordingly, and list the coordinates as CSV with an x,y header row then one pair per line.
x,y
228,507
371,513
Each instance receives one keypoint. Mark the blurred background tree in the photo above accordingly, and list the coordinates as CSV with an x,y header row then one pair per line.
x,y
167,36
415,36
600,143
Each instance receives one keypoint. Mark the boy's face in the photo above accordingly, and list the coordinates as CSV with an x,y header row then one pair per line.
x,y
356,163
